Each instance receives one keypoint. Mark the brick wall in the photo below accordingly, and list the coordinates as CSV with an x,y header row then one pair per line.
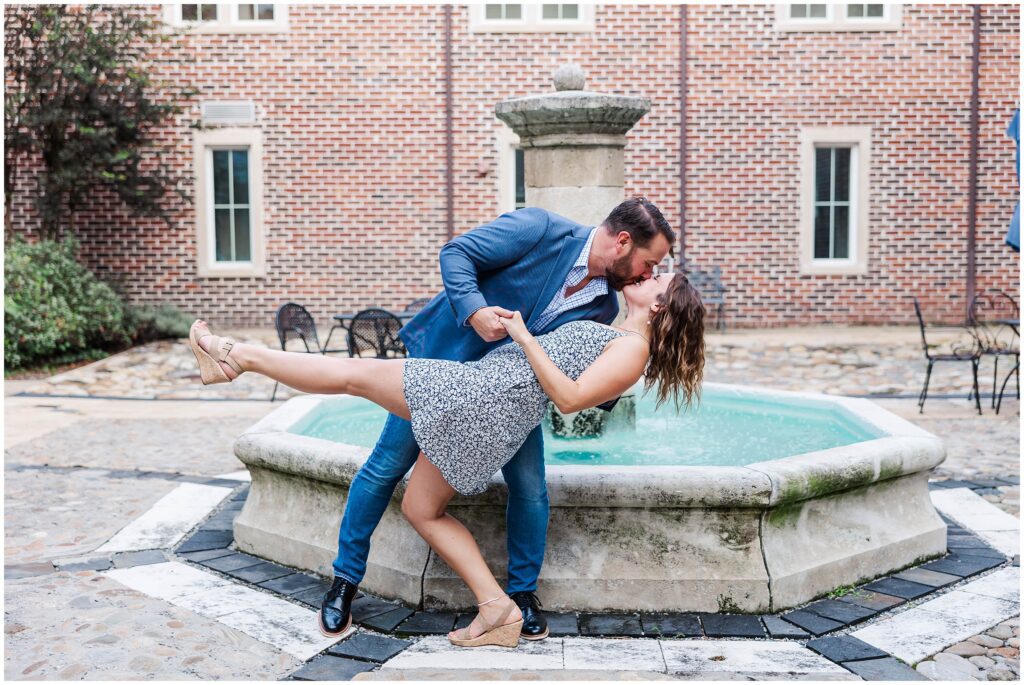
x,y
351,104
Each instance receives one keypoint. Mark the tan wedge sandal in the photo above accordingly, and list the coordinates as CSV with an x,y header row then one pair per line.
x,y
502,635
209,368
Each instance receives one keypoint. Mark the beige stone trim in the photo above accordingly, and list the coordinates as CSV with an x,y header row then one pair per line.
x,y
227,20
859,139
836,20
531,21
506,142
238,138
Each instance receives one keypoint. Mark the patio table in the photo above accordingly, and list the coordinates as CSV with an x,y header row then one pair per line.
x,y
345,320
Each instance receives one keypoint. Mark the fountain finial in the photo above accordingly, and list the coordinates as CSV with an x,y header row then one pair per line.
x,y
569,77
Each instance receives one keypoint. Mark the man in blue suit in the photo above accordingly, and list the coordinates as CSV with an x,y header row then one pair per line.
x,y
551,269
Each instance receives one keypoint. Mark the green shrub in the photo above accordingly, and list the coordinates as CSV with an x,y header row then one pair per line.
x,y
55,308
158,323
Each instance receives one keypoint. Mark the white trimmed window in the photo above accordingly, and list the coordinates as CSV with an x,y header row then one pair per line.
x,y
229,216
530,17
511,171
227,18
834,200
841,17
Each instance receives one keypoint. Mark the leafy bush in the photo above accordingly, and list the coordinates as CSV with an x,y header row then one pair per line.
x,y
55,307
159,322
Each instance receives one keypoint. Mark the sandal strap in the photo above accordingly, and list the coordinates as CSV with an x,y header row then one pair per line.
x,y
501,619
223,346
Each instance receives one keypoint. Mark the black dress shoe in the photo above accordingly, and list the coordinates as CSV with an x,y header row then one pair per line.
x,y
535,626
335,615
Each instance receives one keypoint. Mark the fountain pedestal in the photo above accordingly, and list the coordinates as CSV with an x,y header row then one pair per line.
x,y
573,141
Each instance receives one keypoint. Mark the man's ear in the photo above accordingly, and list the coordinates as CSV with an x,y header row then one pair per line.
x,y
623,239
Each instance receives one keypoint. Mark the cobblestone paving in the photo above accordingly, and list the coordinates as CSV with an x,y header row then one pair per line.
x,y
56,511
993,655
73,626
51,514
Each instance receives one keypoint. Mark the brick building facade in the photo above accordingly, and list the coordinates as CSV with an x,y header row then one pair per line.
x,y
347,157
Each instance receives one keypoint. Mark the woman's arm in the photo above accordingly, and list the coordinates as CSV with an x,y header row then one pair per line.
x,y
612,373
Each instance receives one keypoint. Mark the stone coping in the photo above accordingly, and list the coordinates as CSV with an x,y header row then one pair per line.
x,y
901,449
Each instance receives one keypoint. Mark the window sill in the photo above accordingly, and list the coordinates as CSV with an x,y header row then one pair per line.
x,y
826,268
232,272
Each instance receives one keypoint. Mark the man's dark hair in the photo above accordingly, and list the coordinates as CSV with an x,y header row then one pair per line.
x,y
642,220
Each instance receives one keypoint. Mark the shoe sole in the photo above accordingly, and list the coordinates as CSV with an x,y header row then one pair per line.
x,y
547,631
327,633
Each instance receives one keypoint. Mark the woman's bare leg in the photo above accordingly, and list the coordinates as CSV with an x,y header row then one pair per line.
x,y
378,380
424,504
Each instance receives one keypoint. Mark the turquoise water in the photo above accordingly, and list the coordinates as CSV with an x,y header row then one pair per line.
x,y
726,430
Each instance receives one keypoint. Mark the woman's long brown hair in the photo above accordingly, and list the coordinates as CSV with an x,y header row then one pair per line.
x,y
677,344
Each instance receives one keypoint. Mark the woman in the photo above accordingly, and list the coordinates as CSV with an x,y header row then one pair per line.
x,y
470,418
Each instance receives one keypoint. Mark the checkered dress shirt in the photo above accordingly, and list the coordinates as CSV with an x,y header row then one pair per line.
x,y
560,303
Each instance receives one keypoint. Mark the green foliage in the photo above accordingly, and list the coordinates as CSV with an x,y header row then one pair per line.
x,y
80,98
158,323
55,307
57,311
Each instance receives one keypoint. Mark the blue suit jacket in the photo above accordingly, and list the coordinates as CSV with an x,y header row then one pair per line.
x,y
518,261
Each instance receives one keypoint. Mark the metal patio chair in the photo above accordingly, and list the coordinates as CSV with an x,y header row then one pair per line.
x,y
996,317
294,322
712,290
959,351
375,330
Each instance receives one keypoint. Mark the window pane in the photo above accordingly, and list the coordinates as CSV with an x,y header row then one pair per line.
x,y
209,12
821,231
549,11
189,12
798,11
817,11
513,11
876,10
570,11
493,11
823,174
842,190
240,164
245,12
222,234
267,12
855,10
841,246
221,192
520,180
243,251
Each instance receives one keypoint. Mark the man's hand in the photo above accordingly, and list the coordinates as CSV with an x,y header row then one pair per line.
x,y
487,323
516,327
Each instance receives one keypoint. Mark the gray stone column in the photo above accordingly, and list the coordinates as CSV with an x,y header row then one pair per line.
x,y
573,142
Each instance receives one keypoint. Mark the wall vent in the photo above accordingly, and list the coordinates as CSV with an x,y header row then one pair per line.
x,y
228,112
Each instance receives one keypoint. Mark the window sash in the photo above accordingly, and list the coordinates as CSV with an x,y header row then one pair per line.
x,y
234,209
833,208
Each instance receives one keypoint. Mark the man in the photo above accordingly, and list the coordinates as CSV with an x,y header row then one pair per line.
x,y
551,269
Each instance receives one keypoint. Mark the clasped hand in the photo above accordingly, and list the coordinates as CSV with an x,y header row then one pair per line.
x,y
494,323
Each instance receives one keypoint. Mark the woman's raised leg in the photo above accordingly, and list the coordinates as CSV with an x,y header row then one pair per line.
x,y
378,380
424,504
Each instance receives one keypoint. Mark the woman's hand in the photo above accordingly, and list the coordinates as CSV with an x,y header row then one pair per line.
x,y
516,328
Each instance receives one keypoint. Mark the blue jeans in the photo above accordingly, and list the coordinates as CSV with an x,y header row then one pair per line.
x,y
526,516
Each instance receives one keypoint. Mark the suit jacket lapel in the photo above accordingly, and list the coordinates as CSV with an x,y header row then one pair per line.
x,y
570,252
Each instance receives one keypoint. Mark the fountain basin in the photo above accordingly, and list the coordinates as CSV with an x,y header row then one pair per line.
x,y
763,534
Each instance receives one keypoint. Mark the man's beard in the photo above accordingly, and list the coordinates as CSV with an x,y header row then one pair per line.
x,y
619,274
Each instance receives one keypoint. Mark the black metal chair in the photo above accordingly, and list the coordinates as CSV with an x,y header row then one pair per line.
x,y
294,322
375,330
992,314
959,351
416,305
712,290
